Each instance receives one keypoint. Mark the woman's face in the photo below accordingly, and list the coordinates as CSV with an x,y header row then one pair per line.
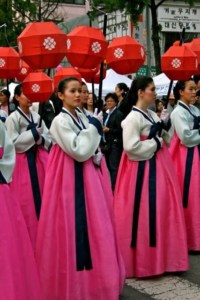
x,y
23,101
149,94
118,92
160,107
3,99
188,95
84,94
90,100
110,103
71,95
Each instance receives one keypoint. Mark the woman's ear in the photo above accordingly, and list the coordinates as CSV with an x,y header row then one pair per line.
x,y
180,92
140,93
60,96
16,97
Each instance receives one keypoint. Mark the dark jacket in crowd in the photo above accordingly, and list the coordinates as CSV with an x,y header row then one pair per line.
x,y
124,107
113,146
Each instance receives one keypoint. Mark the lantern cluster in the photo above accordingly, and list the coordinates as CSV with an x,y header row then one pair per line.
x,y
43,45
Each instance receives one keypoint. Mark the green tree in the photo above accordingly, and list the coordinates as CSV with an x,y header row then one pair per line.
x,y
134,8
16,14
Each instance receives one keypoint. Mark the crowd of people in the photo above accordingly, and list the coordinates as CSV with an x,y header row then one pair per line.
x,y
93,192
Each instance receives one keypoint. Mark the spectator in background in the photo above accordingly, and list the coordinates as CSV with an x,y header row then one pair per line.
x,y
159,107
197,81
91,103
197,103
112,144
121,90
5,102
84,94
171,104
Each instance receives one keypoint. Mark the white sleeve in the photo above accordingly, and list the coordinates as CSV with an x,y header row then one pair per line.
x,y
80,146
46,136
133,146
168,135
188,137
7,161
22,141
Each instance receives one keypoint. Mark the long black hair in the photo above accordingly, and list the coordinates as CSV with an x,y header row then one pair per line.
x,y
123,87
17,92
139,83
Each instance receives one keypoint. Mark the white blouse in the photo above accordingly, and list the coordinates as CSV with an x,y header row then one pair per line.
x,y
7,161
183,123
136,125
22,138
80,144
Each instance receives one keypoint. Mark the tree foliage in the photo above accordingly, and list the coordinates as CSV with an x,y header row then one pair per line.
x,y
16,14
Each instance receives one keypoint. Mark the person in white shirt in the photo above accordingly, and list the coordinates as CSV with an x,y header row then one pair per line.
x,y
31,140
76,244
185,152
147,204
19,277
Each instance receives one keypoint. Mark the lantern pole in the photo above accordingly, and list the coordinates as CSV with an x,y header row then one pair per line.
x,y
102,64
182,36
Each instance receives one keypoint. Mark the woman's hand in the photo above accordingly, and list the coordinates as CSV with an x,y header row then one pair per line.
x,y
106,129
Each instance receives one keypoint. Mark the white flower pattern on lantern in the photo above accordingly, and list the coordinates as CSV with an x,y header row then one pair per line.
x,y
24,70
20,47
96,47
176,63
69,43
49,43
118,53
142,52
35,88
2,62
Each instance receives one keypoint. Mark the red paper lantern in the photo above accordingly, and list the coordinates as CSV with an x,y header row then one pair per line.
x,y
195,47
9,63
42,45
23,71
63,73
125,55
37,87
179,63
92,75
86,47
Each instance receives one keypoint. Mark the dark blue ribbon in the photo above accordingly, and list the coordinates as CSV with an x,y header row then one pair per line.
x,y
156,128
83,254
31,158
189,159
2,179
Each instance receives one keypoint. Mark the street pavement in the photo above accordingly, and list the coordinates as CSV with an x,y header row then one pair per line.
x,y
177,286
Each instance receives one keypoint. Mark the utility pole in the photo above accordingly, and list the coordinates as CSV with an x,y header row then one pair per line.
x,y
148,41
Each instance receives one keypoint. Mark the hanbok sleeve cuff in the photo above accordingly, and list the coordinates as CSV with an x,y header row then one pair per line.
x,y
2,179
35,134
97,124
158,143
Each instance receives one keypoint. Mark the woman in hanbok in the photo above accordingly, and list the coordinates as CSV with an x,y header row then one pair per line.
x,y
185,152
31,140
147,204
18,273
76,252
